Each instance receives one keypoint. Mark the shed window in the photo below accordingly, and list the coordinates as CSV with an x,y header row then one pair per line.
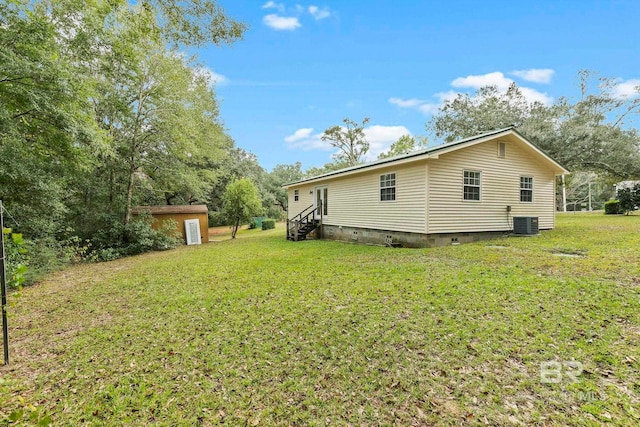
x,y
388,187
526,189
296,195
472,185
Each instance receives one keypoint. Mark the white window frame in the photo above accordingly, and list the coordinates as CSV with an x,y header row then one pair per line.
x,y
526,187
465,184
296,195
384,182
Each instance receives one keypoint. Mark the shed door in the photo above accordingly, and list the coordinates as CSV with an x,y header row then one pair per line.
x,y
192,231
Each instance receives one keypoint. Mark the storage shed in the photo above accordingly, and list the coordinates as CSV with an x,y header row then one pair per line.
x,y
179,213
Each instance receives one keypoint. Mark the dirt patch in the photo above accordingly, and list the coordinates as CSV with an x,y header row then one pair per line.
x,y
568,253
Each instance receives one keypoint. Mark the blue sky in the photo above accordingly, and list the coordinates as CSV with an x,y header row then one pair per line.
x,y
304,66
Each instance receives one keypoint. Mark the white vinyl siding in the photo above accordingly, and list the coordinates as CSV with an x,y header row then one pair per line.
x,y
354,200
304,199
500,187
430,193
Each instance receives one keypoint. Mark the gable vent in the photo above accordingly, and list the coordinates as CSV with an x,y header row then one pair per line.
x,y
502,150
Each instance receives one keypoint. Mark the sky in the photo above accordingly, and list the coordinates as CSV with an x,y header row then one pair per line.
x,y
303,67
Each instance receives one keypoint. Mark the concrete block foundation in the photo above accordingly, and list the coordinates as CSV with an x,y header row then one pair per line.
x,y
401,238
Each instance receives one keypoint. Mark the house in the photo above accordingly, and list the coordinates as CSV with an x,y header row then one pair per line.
x,y
624,184
453,193
180,214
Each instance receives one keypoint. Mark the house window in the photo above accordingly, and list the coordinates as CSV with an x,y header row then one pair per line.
x,y
296,195
388,187
502,150
472,185
526,189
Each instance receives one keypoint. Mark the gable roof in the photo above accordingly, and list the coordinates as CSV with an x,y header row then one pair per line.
x,y
170,209
434,152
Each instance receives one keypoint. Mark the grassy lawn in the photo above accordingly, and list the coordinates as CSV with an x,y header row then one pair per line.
x,y
262,331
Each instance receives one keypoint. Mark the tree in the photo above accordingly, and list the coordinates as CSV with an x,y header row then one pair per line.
x,y
487,109
46,135
161,116
241,202
326,168
100,110
629,198
350,141
279,176
237,164
591,134
404,144
194,22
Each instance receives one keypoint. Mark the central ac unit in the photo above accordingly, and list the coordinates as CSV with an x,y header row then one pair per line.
x,y
527,225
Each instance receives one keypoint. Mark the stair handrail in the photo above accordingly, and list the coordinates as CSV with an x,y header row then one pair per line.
x,y
300,214
304,218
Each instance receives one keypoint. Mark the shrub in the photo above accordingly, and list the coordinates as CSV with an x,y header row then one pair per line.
x,y
253,224
268,224
136,237
16,258
612,207
275,212
167,236
629,199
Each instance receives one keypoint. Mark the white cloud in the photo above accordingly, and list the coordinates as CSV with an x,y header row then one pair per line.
x,y
535,75
306,140
380,138
429,108
449,95
499,80
299,135
281,23
423,106
318,13
406,103
273,5
502,83
490,79
533,95
626,89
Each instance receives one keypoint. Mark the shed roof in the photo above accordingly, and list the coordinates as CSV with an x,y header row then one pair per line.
x,y
170,209
432,152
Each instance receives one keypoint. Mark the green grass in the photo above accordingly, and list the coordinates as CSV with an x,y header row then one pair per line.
x,y
262,331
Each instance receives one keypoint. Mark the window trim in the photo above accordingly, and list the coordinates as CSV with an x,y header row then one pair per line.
x,y
394,186
296,195
479,186
526,189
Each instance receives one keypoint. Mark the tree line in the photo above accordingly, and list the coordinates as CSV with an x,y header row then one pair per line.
x,y
100,111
